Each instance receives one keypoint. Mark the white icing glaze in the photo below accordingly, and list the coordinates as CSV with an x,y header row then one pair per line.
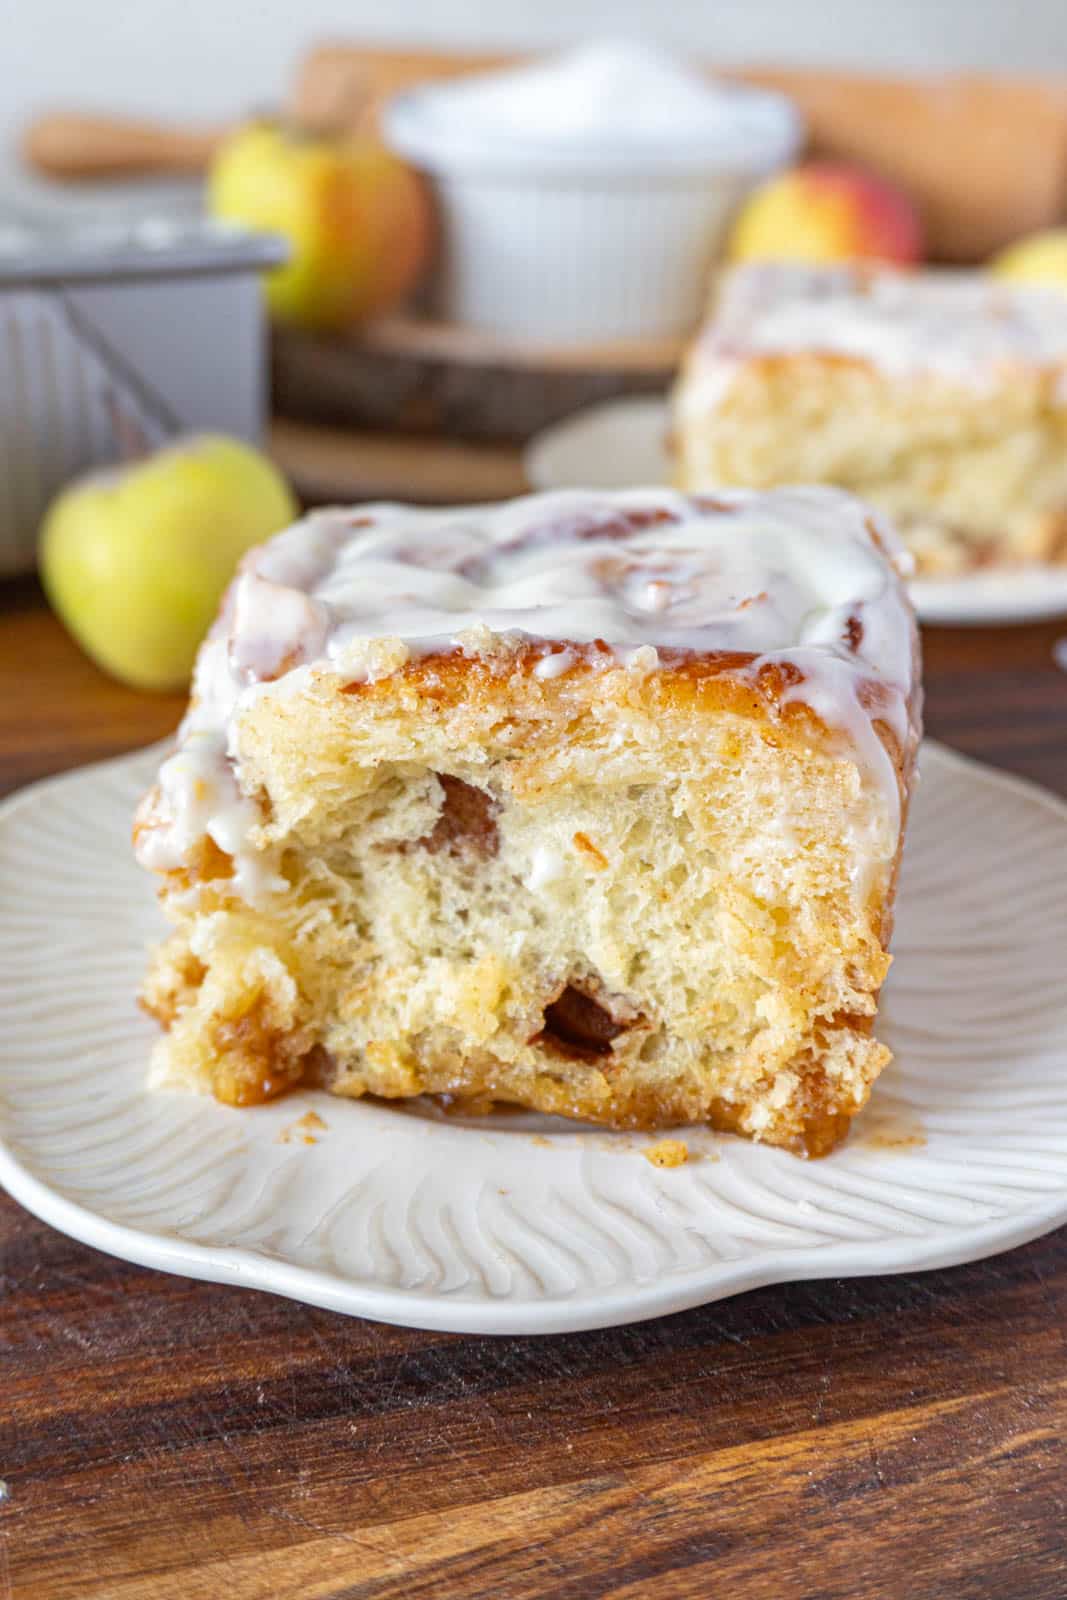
x,y
960,327
555,664
793,576
546,867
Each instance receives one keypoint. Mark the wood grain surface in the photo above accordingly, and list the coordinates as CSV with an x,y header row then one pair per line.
x,y
890,1438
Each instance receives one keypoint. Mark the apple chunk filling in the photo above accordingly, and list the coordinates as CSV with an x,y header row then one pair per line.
x,y
466,822
576,1024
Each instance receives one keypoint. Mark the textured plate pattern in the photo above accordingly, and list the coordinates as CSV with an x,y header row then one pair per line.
x,y
622,444
523,1224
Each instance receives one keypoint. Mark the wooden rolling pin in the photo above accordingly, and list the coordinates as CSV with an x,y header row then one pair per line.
x,y
984,157
77,146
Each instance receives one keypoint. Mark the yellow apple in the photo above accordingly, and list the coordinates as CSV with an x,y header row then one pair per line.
x,y
1039,258
357,219
827,211
135,559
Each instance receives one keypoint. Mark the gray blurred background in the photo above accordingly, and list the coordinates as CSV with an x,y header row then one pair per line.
x,y
221,58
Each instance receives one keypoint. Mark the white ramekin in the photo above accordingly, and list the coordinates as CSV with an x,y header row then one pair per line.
x,y
557,244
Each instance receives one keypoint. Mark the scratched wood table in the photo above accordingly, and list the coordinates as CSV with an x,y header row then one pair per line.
x,y
884,1437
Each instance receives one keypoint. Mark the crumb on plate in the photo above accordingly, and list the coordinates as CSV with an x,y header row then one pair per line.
x,y
667,1153
303,1130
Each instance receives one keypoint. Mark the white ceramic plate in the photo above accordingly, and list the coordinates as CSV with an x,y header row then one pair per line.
x,y
623,444
524,1225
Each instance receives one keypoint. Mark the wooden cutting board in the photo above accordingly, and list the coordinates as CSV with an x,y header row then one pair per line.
x,y
415,375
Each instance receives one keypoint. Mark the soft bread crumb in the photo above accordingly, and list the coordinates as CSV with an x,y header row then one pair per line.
x,y
667,1153
706,944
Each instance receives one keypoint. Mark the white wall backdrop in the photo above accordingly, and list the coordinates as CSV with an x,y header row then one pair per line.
x,y
214,58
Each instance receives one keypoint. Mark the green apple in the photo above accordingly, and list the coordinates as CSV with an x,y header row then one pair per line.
x,y
135,560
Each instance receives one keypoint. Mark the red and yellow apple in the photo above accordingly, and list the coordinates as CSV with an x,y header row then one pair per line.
x,y
1039,258
358,221
135,559
827,211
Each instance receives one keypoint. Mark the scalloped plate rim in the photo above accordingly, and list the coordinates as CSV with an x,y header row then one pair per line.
x,y
954,1244
454,1313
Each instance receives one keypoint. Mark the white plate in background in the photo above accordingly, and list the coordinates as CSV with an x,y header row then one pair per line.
x,y
524,1224
622,444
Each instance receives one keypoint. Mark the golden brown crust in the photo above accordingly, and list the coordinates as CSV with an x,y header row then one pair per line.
x,y
701,685
256,1065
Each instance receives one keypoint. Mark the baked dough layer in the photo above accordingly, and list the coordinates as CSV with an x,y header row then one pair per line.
x,y
940,398
635,887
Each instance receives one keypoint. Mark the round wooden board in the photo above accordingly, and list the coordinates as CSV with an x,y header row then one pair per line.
x,y
415,375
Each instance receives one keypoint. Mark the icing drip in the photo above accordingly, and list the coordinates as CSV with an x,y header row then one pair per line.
x,y
794,576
